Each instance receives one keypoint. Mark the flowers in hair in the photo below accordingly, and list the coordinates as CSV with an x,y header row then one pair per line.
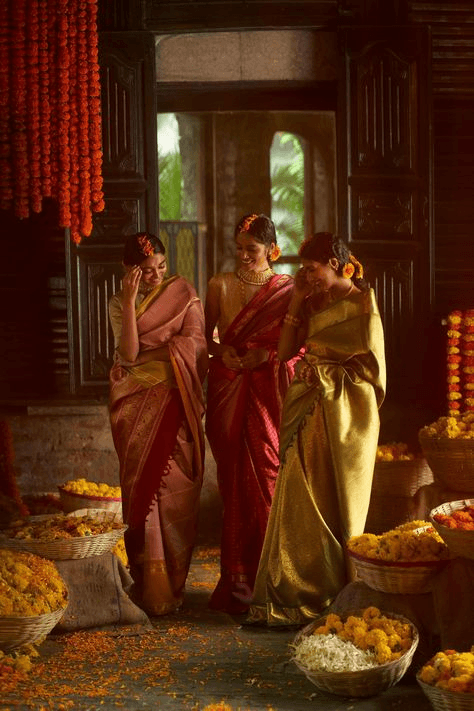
x,y
275,253
146,247
359,269
348,270
248,222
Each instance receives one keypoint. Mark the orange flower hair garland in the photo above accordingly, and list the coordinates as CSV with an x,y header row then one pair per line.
x,y
50,122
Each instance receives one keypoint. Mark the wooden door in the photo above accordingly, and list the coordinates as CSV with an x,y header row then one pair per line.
x,y
385,202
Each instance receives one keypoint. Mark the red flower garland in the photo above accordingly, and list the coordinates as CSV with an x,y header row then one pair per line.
x,y
50,119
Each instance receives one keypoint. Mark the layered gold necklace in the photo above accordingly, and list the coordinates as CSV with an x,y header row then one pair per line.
x,y
252,277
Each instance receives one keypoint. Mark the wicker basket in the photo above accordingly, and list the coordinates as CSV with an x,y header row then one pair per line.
x,y
17,631
73,502
367,682
451,461
459,542
71,548
402,477
443,700
393,488
405,578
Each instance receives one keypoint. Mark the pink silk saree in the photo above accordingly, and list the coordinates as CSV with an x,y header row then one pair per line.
x,y
156,414
242,424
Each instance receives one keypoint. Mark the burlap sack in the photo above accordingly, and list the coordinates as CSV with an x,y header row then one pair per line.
x,y
97,594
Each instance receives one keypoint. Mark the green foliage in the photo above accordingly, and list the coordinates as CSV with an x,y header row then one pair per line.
x,y
171,185
287,191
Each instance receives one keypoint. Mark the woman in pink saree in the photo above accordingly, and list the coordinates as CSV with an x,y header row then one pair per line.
x,y
156,409
246,387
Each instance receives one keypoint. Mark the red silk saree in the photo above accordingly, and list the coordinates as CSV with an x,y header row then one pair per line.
x,y
242,423
156,414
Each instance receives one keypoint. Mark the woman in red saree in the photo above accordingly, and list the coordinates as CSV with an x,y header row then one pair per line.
x,y
156,409
246,387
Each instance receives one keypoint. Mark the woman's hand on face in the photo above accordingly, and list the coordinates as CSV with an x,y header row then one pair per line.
x,y
231,359
255,357
302,288
130,284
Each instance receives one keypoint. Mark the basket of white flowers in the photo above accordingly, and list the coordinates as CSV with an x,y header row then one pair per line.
x,y
359,653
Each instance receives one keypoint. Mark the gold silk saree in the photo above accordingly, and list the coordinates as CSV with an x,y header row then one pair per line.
x,y
328,443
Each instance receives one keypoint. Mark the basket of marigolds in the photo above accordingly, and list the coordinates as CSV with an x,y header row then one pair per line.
x,y
398,474
454,522
82,494
404,560
447,679
79,534
358,653
448,446
33,597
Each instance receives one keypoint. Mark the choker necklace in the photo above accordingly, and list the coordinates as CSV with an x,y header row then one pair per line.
x,y
255,277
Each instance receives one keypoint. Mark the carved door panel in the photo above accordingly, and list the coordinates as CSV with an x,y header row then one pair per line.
x,y
131,197
384,134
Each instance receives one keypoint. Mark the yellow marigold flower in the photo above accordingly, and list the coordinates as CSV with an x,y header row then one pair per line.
x,y
459,683
441,662
370,613
428,674
383,653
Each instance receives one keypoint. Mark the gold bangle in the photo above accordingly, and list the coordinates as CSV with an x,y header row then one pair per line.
x,y
292,320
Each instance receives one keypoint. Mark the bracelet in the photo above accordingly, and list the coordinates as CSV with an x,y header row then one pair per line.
x,y
292,320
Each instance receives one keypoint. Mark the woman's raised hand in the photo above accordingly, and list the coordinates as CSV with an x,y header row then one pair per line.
x,y
130,284
302,288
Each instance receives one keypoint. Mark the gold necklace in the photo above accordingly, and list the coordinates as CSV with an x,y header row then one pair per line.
x,y
255,277
343,296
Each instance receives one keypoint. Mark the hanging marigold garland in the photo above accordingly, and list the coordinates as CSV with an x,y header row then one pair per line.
x,y
453,356
467,349
460,361
50,120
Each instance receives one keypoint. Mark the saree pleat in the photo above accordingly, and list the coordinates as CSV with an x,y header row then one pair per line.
x,y
156,417
242,421
328,443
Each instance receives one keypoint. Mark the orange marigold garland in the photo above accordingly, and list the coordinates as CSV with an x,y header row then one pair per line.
x,y
6,190
19,108
453,362
467,350
50,119
44,99
32,51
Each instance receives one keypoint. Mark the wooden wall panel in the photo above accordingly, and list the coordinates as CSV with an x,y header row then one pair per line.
x,y
204,15
131,196
385,196
452,31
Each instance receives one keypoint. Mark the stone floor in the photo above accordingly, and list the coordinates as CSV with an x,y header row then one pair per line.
x,y
186,661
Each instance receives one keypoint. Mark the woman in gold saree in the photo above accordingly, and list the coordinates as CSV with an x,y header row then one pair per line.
x,y
328,436
156,409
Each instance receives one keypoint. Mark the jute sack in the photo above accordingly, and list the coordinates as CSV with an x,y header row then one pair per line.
x,y
97,594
